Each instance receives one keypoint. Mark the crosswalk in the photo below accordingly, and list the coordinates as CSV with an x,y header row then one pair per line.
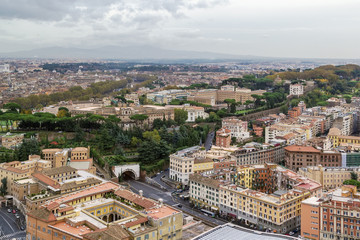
x,y
9,236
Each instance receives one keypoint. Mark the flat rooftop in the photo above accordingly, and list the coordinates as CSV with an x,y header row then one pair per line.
x,y
233,232
161,212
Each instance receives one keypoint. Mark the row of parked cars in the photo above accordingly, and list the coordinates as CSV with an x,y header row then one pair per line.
x,y
14,211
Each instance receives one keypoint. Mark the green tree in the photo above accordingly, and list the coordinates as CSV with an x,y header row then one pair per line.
x,y
12,107
354,176
352,182
180,116
284,109
229,102
28,147
3,188
152,135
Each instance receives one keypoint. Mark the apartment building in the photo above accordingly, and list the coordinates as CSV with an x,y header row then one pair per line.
x,y
302,156
254,155
223,138
279,211
181,164
19,170
57,157
269,177
338,139
310,220
335,216
238,128
204,192
329,177
296,89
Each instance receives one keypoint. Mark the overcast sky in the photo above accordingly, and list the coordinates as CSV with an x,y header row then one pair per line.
x,y
279,28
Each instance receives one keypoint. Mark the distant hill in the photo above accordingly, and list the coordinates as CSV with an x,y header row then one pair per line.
x,y
113,52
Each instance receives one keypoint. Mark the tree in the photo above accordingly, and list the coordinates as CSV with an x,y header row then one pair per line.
x,y
152,135
180,116
63,113
352,182
139,118
284,109
12,107
3,188
151,152
229,102
29,147
354,176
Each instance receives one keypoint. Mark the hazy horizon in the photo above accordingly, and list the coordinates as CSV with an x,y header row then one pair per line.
x,y
302,29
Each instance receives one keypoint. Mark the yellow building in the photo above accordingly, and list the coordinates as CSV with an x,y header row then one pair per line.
x,y
100,209
329,177
280,211
203,165
338,139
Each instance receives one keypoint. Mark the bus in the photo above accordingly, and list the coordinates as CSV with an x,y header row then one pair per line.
x,y
208,213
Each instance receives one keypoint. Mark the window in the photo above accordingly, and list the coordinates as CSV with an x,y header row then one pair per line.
x,y
160,223
56,234
146,236
138,238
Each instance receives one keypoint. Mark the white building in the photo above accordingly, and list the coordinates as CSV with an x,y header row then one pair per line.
x,y
181,164
238,128
227,88
5,68
296,89
195,112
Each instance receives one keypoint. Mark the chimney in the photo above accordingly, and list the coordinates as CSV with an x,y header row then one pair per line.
x,y
141,193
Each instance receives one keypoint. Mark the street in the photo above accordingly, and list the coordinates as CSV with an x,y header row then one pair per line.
x,y
155,193
9,226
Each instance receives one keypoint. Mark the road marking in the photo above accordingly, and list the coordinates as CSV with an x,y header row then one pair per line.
x,y
11,235
7,222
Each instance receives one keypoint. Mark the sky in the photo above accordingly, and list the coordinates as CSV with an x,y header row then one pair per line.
x,y
275,28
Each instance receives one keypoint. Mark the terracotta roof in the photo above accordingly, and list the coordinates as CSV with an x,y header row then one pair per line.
x,y
114,232
295,148
15,170
136,222
73,184
67,228
135,198
101,188
161,212
59,170
46,180
43,214
65,209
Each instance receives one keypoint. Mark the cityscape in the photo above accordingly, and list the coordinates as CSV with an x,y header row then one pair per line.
x,y
192,120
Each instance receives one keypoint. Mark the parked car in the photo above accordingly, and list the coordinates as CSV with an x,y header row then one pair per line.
x,y
13,211
17,216
291,233
9,210
180,206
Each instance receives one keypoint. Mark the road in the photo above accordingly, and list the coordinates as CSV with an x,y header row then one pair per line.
x,y
9,225
155,194
209,140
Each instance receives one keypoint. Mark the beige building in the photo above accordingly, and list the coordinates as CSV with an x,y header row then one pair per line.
x,y
329,177
10,140
19,170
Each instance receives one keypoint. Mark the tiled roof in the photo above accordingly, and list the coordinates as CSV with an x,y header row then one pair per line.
x,y
101,188
43,214
73,184
294,148
46,180
135,198
136,222
114,232
15,170
59,170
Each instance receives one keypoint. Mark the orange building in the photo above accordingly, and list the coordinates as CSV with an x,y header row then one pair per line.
x,y
294,112
310,218
223,138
